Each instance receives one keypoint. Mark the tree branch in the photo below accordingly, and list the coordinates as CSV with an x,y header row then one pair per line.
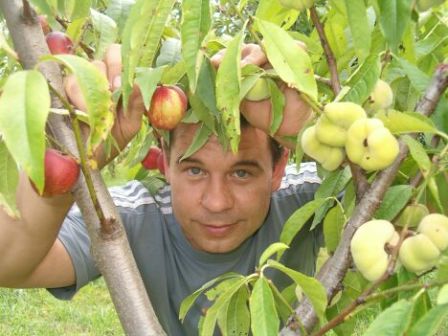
x,y
110,248
333,271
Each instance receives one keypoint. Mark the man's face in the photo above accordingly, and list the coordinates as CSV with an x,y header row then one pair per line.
x,y
219,198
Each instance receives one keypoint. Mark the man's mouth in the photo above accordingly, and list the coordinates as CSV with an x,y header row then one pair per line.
x,y
218,229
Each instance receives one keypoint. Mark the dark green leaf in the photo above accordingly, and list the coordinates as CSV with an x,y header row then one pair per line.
x,y
394,200
200,139
189,300
311,287
208,327
418,79
363,80
418,153
296,221
333,224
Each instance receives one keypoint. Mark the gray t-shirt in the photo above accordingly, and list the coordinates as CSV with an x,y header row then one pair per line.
x,y
171,269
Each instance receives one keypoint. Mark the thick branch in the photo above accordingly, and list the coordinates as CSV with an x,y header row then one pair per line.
x,y
333,271
110,249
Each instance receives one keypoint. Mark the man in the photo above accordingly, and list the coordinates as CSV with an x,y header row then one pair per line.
x,y
217,214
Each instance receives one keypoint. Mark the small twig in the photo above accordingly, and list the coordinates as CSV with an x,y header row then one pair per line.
x,y
82,155
335,84
361,184
90,52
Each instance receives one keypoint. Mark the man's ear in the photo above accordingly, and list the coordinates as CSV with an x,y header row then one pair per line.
x,y
279,170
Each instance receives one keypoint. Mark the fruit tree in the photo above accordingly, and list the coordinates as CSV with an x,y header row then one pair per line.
x,y
373,74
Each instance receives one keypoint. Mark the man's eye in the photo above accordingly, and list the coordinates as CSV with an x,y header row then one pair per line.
x,y
241,173
194,171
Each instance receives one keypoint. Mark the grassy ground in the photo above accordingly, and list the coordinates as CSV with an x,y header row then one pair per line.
x,y
35,312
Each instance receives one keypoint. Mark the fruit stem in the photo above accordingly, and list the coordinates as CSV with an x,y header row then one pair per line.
x,y
82,155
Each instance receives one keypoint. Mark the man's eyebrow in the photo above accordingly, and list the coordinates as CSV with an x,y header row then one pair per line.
x,y
250,163
187,160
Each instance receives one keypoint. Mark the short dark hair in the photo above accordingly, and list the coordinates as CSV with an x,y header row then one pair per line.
x,y
277,149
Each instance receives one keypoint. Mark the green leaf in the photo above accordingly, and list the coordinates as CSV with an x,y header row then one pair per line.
x,y
196,20
119,10
46,7
228,82
106,29
24,108
170,52
283,307
95,90
442,269
290,61
333,184
237,320
442,295
274,12
359,27
418,153
394,200
418,79
200,139
392,321
147,80
208,326
363,80
278,103
190,299
8,182
394,17
405,122
311,287
431,322
270,250
333,224
264,317
296,221
141,37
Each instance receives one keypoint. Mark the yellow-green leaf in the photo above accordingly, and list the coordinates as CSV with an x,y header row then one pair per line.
x,y
24,108
95,89
228,85
141,36
8,181
194,27
263,313
290,61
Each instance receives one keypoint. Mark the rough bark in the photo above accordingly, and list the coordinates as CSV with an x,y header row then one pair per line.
x,y
110,249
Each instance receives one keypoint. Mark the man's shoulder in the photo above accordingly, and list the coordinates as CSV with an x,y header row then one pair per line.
x,y
304,174
134,194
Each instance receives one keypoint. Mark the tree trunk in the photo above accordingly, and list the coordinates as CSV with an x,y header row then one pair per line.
x,y
110,247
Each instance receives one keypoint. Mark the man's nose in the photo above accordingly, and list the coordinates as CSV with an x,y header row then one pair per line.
x,y
217,195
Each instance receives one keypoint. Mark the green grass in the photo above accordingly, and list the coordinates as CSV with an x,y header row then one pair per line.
x,y
25,312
